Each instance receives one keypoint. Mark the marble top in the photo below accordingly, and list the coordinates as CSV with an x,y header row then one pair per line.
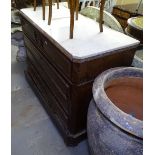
x,y
87,42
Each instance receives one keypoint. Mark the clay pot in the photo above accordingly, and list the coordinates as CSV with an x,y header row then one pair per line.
x,y
114,121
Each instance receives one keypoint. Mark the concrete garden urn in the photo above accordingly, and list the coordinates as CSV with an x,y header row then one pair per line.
x,y
115,114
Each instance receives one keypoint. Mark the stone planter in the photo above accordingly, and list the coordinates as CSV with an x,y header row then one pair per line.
x,y
114,121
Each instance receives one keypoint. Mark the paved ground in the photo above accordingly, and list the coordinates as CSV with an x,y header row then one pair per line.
x,y
33,133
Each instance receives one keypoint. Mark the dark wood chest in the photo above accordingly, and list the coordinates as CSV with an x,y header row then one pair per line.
x,y
63,83
123,12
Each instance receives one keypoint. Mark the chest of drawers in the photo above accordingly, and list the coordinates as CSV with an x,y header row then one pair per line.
x,y
61,71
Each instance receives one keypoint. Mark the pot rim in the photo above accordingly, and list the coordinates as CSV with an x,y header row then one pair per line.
x,y
123,120
130,22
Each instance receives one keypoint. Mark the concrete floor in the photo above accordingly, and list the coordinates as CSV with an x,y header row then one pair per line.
x,y
33,133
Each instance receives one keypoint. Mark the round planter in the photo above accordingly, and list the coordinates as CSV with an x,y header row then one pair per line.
x,y
114,121
135,28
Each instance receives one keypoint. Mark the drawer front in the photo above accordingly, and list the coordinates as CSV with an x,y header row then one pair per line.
x,y
52,53
57,84
50,102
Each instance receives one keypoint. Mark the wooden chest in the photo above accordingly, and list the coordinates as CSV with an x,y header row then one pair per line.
x,y
123,12
61,71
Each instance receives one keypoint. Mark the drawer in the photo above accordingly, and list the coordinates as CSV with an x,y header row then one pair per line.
x,y
57,84
51,52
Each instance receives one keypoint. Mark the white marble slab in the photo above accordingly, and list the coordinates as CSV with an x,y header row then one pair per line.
x,y
88,41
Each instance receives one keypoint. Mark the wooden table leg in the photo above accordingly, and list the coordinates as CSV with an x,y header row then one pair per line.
x,y
57,4
43,7
72,4
77,9
101,15
50,12
35,4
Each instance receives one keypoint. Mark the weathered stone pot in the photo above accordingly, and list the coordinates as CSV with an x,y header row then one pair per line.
x,y
114,121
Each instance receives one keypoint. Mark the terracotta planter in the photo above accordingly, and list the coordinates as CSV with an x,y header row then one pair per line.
x,y
114,122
